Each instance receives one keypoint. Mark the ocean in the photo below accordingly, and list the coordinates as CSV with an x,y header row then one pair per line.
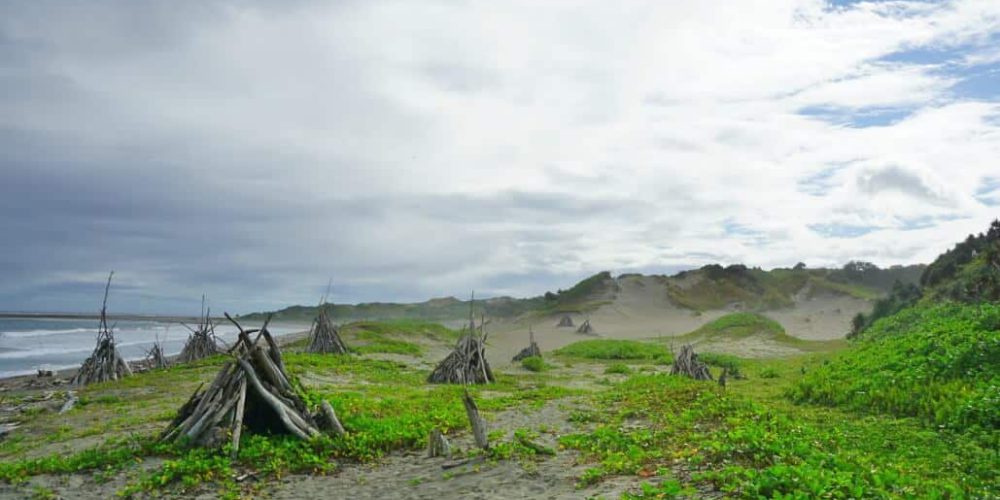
x,y
29,344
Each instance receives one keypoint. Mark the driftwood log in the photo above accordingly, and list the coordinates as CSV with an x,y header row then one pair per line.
x,y
585,328
437,444
475,421
250,391
202,342
105,363
467,363
323,336
686,363
530,351
71,401
565,321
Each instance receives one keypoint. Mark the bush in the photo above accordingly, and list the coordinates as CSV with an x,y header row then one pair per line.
x,y
731,363
619,368
614,349
534,363
937,363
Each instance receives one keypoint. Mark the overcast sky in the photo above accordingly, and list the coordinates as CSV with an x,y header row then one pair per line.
x,y
251,150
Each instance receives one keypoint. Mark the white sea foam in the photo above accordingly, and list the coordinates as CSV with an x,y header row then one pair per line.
x,y
44,333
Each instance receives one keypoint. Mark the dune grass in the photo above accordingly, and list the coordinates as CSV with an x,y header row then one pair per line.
x,y
608,349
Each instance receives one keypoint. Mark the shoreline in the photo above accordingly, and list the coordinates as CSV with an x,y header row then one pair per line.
x,y
164,318
31,380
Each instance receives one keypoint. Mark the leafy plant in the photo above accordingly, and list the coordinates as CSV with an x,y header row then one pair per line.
x,y
534,364
619,368
614,349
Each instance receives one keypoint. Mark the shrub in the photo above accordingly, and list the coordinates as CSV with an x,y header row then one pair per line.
x,y
534,363
937,363
619,368
614,349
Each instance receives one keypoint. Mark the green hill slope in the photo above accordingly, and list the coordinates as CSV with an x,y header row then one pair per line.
x,y
710,287
939,363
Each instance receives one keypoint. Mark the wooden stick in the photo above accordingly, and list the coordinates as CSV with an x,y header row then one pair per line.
x,y
331,419
476,421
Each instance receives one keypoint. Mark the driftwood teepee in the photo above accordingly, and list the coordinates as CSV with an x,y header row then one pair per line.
x,y
202,341
565,321
105,363
585,328
467,363
324,337
252,391
155,357
686,363
531,350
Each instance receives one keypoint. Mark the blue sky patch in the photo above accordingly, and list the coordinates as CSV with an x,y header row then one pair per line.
x,y
978,82
858,117
988,193
842,230
821,183
733,228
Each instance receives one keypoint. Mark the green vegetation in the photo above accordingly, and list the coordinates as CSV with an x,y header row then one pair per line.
x,y
716,287
743,324
395,336
586,295
948,265
869,275
534,364
937,363
383,405
732,364
619,368
748,443
603,349
441,309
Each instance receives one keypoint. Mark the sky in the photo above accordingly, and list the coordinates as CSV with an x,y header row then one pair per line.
x,y
406,150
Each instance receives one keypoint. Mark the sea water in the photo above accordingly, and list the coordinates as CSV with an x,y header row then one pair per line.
x,y
30,344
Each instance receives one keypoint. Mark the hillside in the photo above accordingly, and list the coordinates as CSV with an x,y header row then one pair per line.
x,y
967,273
439,309
709,288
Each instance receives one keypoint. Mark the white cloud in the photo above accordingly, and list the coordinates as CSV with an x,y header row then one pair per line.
x,y
684,114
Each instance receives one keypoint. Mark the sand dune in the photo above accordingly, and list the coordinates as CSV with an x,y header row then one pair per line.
x,y
641,309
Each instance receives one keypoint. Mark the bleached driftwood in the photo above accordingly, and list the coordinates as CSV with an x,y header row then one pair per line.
x,y
202,342
323,336
467,363
530,351
105,363
686,363
71,400
475,421
253,391
155,357
437,444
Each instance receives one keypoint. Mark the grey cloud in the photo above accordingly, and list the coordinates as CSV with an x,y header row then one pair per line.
x,y
895,178
456,77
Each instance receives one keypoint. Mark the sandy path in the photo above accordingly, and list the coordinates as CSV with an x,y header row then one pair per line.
x,y
413,476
